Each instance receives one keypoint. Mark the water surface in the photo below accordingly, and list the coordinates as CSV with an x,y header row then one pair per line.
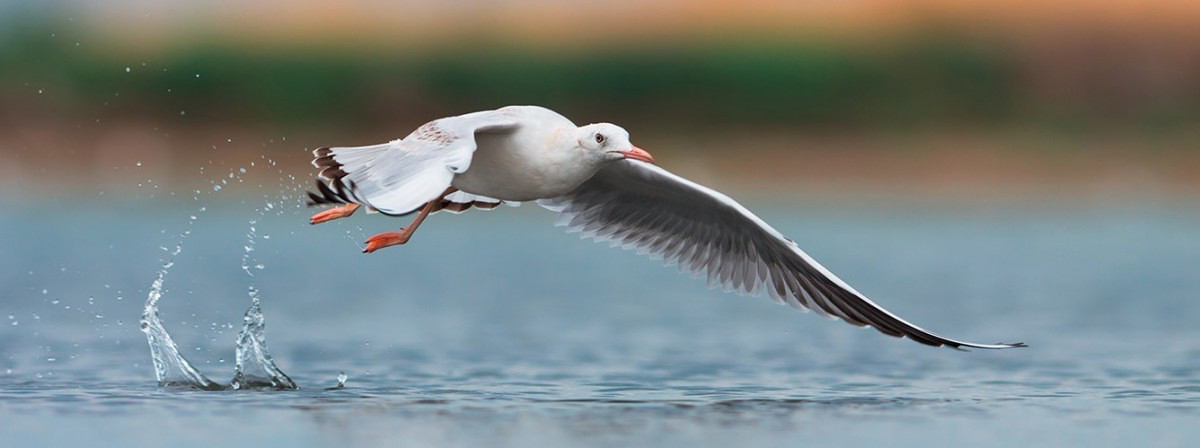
x,y
496,329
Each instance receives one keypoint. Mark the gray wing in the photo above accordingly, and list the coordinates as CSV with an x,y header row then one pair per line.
x,y
644,207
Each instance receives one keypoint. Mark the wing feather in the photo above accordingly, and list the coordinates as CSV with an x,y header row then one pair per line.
x,y
399,177
641,206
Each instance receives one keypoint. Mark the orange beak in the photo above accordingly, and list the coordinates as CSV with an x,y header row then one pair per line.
x,y
638,154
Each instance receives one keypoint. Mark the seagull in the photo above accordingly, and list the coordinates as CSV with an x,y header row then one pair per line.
x,y
602,187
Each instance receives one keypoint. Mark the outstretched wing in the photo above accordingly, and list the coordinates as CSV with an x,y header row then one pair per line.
x,y
399,177
641,206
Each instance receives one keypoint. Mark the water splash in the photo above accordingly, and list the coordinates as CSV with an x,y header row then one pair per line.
x,y
255,367
170,367
341,382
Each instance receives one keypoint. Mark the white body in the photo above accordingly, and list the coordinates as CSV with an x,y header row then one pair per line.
x,y
532,161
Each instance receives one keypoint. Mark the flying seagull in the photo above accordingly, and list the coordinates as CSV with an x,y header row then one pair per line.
x,y
602,187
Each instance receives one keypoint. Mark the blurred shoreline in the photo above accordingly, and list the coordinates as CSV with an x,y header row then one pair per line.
x,y
148,161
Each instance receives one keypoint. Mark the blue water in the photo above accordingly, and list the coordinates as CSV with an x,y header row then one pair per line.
x,y
497,329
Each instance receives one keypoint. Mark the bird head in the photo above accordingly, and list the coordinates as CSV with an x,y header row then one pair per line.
x,y
609,142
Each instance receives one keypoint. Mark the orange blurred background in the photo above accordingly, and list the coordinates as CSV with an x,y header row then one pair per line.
x,y
968,99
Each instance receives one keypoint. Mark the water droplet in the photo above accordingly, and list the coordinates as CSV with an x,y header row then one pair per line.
x,y
139,163
259,266
40,91
242,170
51,359
54,302
126,69
44,292
216,188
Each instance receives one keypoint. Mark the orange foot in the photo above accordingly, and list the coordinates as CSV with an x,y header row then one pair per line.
x,y
383,240
333,213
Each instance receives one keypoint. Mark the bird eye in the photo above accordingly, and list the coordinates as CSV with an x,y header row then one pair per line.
x,y
600,138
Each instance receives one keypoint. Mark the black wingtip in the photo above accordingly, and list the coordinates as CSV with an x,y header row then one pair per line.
x,y
996,346
968,346
313,199
325,195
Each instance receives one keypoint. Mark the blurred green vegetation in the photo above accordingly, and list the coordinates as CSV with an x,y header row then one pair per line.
x,y
914,82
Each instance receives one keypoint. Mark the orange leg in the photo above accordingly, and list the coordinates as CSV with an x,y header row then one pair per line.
x,y
383,240
333,213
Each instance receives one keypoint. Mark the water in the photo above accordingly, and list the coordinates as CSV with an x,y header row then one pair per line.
x,y
496,329
171,369
255,369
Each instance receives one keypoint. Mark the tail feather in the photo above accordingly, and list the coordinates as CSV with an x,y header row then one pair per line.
x,y
333,188
336,195
335,164
331,168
